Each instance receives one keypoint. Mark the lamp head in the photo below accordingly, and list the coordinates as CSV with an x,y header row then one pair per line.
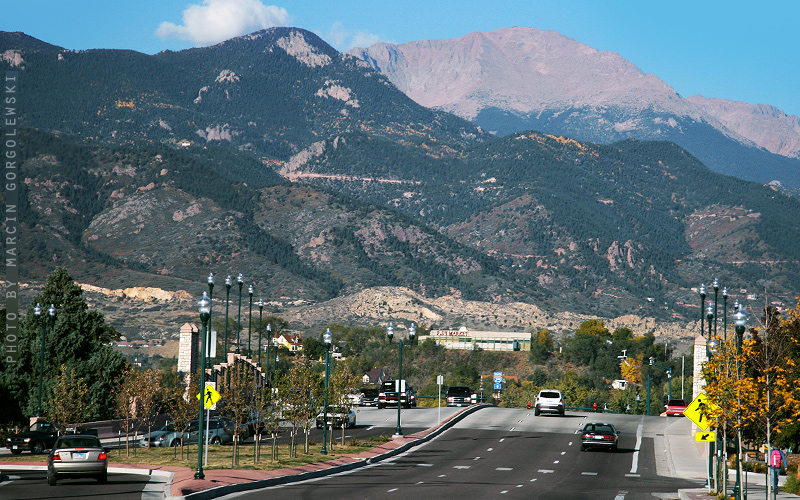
x,y
204,306
412,331
712,346
327,338
228,282
725,293
390,331
710,312
37,310
51,311
703,291
260,304
716,285
269,327
651,360
740,318
211,279
250,290
240,280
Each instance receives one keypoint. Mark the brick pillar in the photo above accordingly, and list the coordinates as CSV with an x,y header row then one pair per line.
x,y
700,357
189,349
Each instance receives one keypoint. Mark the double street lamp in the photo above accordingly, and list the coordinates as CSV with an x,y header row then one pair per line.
x,y
260,312
327,339
240,280
739,322
37,311
250,324
204,307
228,284
412,331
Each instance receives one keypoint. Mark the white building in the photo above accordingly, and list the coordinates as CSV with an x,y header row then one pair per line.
x,y
466,339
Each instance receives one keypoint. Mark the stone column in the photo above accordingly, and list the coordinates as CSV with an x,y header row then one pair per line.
x,y
700,357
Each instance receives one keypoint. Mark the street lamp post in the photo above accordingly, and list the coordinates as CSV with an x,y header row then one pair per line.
x,y
711,345
250,323
740,322
240,280
228,284
669,376
260,312
716,295
702,307
269,344
211,298
37,311
327,339
725,314
204,306
412,330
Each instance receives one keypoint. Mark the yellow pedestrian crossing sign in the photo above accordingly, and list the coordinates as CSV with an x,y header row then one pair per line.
x,y
699,411
210,397
704,437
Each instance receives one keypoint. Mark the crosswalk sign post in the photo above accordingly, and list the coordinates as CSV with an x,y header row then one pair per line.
x,y
210,396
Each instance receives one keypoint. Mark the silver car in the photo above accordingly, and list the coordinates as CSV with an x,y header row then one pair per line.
x,y
76,455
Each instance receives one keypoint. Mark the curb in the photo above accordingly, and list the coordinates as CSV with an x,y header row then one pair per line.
x,y
303,476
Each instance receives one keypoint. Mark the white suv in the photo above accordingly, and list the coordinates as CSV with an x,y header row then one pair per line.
x,y
550,401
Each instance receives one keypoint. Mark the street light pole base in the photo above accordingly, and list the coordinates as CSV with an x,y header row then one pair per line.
x,y
397,436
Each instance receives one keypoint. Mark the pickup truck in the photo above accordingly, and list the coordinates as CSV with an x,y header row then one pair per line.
x,y
388,394
37,438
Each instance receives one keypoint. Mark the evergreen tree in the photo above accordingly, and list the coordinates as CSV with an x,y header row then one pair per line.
x,y
76,338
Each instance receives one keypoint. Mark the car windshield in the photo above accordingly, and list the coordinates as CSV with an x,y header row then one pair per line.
x,y
458,390
78,442
168,428
676,402
42,426
550,394
370,393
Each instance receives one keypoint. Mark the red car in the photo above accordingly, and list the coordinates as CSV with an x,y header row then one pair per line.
x,y
675,408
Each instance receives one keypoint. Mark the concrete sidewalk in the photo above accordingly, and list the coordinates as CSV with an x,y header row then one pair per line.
x,y
688,459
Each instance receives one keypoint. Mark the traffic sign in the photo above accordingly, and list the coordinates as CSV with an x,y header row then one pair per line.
x,y
211,396
699,411
498,377
704,437
498,386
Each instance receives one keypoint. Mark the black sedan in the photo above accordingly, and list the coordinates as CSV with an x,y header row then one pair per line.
x,y
599,435
38,437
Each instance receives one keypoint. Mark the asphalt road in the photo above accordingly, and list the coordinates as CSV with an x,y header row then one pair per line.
x,y
493,453
505,453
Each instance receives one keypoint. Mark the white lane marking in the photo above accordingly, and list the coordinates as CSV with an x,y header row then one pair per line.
x,y
504,468
504,491
635,460
419,482
556,461
534,479
424,465
633,475
621,495
477,458
370,427
503,439
393,489
442,475
490,449
570,443
546,471
520,485
563,452
511,429
588,473
462,466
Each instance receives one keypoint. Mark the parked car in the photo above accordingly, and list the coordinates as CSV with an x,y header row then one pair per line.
x,y
37,438
77,455
338,416
161,437
599,435
549,401
675,407
459,395
369,397
355,398
388,394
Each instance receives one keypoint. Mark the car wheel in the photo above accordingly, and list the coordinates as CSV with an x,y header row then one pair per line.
x,y
103,477
16,452
614,449
562,413
583,448
51,477
216,440
380,406
536,412
38,448
175,443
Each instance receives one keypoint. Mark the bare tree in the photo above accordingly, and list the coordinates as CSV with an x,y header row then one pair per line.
x,y
343,383
150,398
239,403
68,404
182,406
126,402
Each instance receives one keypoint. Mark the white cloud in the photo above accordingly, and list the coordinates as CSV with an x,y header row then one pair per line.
x,y
344,40
216,20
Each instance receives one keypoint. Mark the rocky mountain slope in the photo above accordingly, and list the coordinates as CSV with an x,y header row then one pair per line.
x,y
517,79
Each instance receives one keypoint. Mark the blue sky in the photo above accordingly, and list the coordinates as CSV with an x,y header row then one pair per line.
x,y
741,50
